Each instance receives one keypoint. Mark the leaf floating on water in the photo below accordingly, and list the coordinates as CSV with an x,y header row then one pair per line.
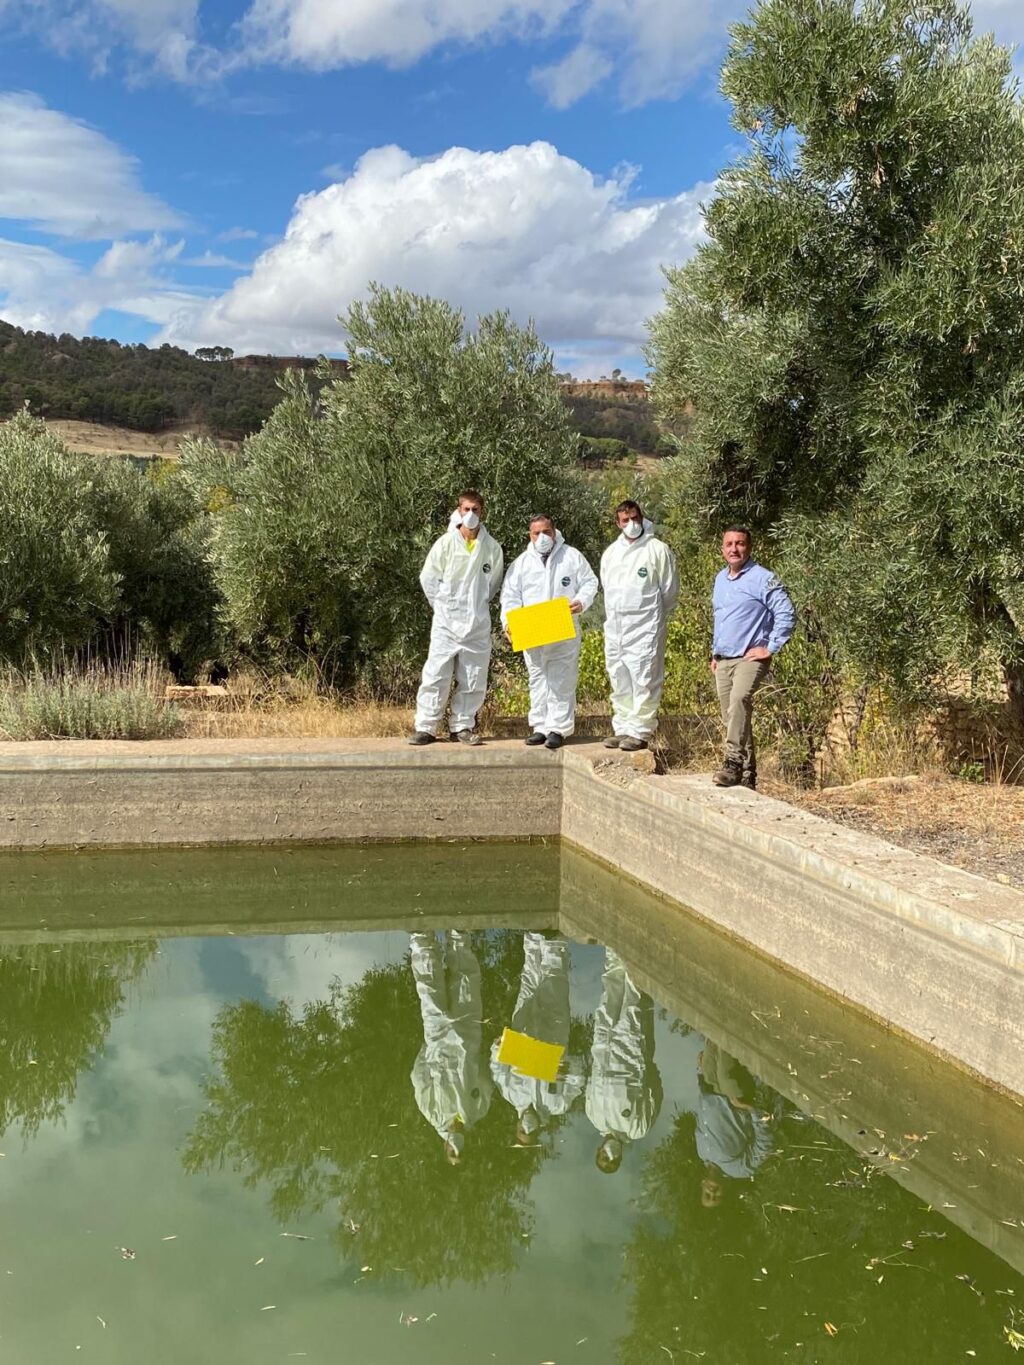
x,y
173,1238
127,1254
100,1320
298,1236
260,1261
831,1329
267,1307
1015,1338
365,1268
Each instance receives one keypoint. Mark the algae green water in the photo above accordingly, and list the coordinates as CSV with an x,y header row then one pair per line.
x,y
226,1076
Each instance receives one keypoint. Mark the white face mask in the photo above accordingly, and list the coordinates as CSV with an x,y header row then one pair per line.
x,y
544,543
632,529
611,1148
457,1142
470,520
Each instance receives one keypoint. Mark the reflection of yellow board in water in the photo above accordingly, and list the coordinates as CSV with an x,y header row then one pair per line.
x,y
530,1056
544,624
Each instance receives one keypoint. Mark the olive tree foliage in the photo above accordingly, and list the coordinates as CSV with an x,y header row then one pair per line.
x,y
157,537
851,333
55,574
327,516
98,555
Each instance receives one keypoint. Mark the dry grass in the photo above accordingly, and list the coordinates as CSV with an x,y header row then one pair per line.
x,y
258,707
978,826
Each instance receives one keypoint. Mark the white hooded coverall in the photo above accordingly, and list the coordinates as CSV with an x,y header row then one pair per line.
x,y
448,1077
542,1012
459,583
640,587
552,669
624,1092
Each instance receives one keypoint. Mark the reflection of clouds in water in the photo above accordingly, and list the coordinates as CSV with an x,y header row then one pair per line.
x,y
302,967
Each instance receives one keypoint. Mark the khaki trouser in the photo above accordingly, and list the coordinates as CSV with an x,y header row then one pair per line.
x,y
737,680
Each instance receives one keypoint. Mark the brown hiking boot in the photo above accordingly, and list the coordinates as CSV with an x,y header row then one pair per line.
x,y
749,779
730,774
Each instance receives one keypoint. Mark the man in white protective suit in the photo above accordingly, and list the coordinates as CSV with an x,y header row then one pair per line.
x,y
549,568
640,584
541,1012
624,1092
451,1085
461,574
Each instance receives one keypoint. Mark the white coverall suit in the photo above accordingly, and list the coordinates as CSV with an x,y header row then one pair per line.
x,y
640,587
552,669
448,1077
624,1092
542,1012
459,583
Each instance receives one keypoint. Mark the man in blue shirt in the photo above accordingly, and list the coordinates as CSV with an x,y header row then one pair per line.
x,y
753,620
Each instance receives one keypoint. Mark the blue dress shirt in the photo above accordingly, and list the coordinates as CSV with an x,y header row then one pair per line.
x,y
751,610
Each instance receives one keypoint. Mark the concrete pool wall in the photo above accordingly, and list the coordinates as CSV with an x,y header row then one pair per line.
x,y
930,950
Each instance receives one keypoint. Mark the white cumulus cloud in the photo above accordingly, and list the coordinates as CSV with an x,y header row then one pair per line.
x,y
525,229
63,177
323,33
654,47
46,291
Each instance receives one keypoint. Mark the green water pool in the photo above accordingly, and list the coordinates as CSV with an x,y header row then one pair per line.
x,y
229,1079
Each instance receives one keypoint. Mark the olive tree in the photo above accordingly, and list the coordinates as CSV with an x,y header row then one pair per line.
x,y
851,333
55,572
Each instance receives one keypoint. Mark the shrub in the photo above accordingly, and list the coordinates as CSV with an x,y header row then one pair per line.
x,y
95,702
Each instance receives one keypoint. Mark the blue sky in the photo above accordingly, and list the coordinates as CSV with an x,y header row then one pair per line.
x,y
234,171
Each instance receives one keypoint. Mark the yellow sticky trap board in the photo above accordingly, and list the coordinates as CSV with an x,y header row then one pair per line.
x,y
544,624
530,1056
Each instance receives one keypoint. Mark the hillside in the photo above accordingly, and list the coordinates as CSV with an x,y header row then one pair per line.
x,y
140,388
90,384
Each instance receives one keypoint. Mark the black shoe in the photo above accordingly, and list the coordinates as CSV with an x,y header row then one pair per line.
x,y
612,742
422,737
730,774
630,745
538,737
553,741
749,779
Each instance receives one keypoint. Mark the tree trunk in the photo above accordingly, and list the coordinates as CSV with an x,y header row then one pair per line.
x,y
1013,673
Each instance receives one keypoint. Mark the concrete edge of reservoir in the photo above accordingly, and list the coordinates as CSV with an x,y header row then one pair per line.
x,y
932,951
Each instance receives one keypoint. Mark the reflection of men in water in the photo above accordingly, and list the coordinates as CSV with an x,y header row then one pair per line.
x,y
624,1092
542,1012
452,1090
733,1138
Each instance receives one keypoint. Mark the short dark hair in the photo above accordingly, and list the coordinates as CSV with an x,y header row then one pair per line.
x,y
541,516
739,531
629,506
470,495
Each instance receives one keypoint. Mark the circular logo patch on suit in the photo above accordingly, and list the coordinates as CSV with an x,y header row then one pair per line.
x,y
487,568
566,581
641,573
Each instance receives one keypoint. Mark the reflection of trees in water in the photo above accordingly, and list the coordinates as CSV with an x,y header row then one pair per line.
x,y
320,1105
56,1007
696,1274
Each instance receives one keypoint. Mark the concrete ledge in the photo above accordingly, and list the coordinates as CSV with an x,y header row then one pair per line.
x,y
77,795
933,951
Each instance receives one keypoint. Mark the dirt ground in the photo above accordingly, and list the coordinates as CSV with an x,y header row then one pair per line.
x,y
93,439
976,826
